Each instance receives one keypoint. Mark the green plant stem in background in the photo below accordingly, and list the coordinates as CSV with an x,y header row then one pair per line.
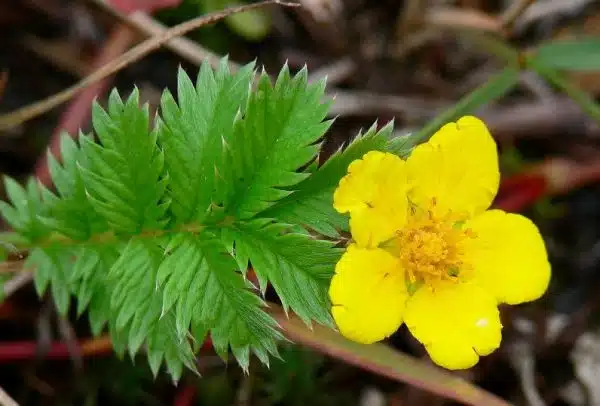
x,y
579,96
582,54
577,55
495,88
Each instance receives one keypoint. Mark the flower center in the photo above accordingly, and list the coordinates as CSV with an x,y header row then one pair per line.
x,y
431,248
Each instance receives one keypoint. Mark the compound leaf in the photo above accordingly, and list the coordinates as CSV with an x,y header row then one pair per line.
x,y
311,202
297,265
194,133
124,175
276,138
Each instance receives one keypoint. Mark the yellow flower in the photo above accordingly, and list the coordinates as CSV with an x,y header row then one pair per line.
x,y
428,253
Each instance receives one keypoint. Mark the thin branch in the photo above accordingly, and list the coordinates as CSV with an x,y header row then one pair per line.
x,y
551,9
17,282
149,27
6,400
21,115
510,15
457,18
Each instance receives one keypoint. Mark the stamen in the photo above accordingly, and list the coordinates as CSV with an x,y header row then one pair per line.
x,y
431,247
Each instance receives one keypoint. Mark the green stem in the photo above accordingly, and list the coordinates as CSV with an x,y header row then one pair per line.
x,y
496,87
579,96
18,243
513,57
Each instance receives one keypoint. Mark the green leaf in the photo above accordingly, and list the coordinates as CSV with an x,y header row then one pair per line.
x,y
311,202
582,54
153,228
195,133
202,284
180,275
493,89
70,212
26,206
587,103
403,145
124,175
277,137
133,280
297,265
164,343
52,266
89,282
136,303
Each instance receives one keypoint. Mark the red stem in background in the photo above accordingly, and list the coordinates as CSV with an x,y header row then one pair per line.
x,y
11,351
28,350
554,176
520,191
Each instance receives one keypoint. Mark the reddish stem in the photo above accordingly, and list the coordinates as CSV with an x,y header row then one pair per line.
x,y
520,191
11,351
28,350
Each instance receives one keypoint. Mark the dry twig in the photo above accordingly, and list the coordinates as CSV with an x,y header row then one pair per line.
x,y
17,282
6,400
510,15
134,54
457,18
149,27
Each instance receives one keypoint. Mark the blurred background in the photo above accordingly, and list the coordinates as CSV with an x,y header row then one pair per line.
x,y
407,60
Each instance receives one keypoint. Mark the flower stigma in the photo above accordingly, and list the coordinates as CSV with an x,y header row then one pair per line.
x,y
432,247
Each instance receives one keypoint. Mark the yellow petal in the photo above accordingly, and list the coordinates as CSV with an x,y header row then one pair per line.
x,y
374,193
457,167
368,294
457,322
508,256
